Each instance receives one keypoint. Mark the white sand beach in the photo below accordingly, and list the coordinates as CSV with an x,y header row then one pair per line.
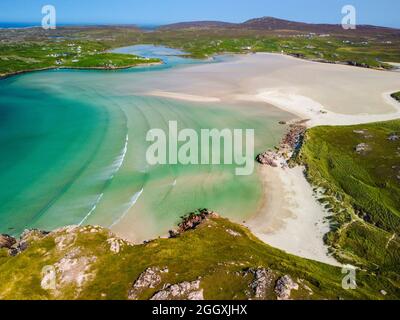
x,y
291,218
181,96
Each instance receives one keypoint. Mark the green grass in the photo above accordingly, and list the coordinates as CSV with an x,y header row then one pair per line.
x,y
362,190
367,52
28,56
209,252
396,96
24,50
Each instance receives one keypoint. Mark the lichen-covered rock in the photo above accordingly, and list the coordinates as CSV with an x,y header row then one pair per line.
x,y
262,282
74,268
183,290
149,279
116,244
64,241
362,148
284,287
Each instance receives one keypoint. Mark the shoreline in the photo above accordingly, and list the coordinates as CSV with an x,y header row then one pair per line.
x,y
16,73
316,114
291,218
296,223
300,225
294,56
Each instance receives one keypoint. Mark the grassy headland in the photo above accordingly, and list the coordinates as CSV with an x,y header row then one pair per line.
x,y
218,253
357,169
36,49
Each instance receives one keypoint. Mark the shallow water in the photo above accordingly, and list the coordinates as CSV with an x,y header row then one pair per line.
x,y
72,151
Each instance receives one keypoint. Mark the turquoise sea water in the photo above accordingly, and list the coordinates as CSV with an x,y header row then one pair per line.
x,y
72,151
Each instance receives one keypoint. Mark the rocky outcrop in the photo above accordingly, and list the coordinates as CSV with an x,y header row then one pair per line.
x,y
290,144
362,148
181,291
26,238
284,287
262,283
117,244
74,268
7,241
393,137
294,136
357,64
192,221
268,158
149,279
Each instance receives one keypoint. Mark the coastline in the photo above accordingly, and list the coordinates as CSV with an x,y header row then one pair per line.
x,y
294,226
291,218
16,73
395,66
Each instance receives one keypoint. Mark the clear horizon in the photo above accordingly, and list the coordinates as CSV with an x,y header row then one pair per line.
x,y
159,12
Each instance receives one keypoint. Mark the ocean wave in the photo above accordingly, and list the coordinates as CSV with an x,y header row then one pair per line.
x,y
110,172
128,206
92,209
119,161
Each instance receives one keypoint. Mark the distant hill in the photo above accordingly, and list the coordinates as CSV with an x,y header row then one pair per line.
x,y
198,25
273,24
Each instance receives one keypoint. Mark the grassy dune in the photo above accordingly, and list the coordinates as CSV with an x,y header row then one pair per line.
x,y
361,189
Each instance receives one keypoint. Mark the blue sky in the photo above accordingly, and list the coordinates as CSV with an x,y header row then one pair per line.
x,y
377,12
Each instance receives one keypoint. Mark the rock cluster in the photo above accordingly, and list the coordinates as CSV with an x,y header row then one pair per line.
x,y
289,144
263,280
183,290
284,287
364,133
149,279
362,148
7,241
75,268
117,244
193,220
268,158
294,136
393,137
16,246
357,64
